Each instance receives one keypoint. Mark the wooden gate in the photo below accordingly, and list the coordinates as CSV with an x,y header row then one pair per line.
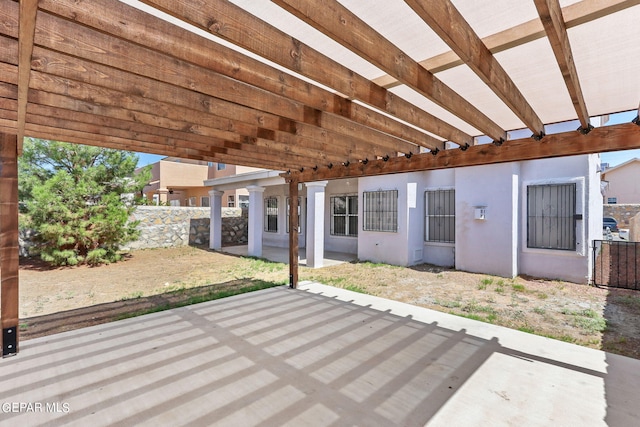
x,y
616,264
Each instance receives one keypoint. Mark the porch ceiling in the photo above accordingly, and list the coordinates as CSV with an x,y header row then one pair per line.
x,y
321,88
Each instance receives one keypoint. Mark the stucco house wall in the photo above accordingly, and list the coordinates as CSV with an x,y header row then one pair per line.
x,y
624,183
498,244
487,245
575,265
494,245
389,247
180,182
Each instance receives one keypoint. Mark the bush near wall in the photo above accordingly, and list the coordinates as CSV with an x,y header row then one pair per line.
x,y
171,226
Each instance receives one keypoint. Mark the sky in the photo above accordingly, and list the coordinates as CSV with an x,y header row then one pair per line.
x,y
613,158
146,159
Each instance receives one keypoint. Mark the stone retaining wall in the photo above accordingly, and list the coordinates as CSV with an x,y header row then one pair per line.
x,y
621,213
628,216
169,226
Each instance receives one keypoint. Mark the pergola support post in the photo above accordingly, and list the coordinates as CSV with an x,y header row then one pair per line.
x,y
9,243
293,234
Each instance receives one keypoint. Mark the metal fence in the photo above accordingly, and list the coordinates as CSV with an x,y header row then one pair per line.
x,y
616,264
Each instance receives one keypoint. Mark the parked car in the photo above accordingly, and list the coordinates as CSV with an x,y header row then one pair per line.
x,y
611,223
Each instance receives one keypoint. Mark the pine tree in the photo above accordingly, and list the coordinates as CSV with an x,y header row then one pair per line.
x,y
73,194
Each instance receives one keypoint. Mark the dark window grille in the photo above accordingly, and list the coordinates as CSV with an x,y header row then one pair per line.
x,y
271,214
344,216
551,220
440,221
380,211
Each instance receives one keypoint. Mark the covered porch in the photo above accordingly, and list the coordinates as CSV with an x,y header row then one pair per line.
x,y
271,218
277,254
320,356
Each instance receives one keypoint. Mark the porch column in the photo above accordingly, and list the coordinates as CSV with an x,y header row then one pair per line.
x,y
215,221
256,220
9,243
315,223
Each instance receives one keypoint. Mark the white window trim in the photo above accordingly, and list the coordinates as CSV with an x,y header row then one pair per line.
x,y
581,229
357,214
424,231
362,218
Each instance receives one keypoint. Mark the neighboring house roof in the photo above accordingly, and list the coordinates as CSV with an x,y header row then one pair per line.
x,y
620,166
262,178
623,182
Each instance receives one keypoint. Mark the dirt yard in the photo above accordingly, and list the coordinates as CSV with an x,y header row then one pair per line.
x,y
53,300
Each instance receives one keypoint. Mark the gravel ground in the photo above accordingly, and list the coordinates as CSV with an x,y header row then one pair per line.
x,y
601,318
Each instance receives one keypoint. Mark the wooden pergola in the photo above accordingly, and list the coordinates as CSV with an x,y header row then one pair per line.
x,y
319,89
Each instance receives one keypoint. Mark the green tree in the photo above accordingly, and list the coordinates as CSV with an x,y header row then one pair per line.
x,y
73,194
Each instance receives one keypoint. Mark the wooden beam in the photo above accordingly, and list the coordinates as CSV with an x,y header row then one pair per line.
x,y
234,147
27,30
551,17
293,233
447,22
97,134
603,139
9,279
134,25
102,49
576,14
232,23
346,28
114,117
190,113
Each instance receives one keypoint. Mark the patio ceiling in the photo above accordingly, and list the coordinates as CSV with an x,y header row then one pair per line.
x,y
320,88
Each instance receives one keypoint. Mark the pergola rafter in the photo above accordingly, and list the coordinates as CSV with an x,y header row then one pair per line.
x,y
231,23
556,30
449,24
337,22
575,14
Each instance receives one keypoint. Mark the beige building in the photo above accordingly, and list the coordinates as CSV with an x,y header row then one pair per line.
x,y
622,183
180,182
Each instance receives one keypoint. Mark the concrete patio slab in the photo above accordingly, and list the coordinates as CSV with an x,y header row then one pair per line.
x,y
276,254
317,356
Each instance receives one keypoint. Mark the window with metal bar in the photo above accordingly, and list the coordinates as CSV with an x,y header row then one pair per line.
x,y
380,211
231,201
440,219
271,214
551,220
344,216
204,201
